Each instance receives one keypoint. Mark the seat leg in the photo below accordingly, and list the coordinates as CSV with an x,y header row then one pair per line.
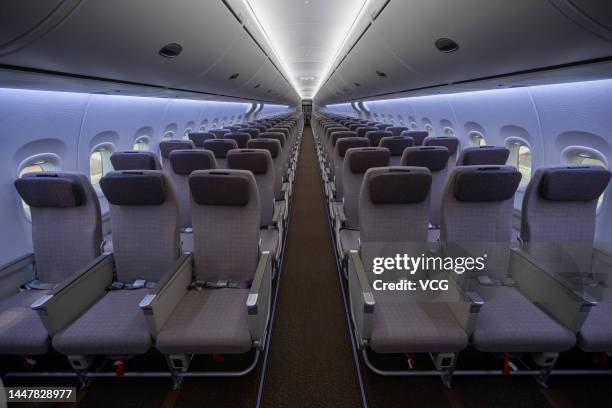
x,y
178,364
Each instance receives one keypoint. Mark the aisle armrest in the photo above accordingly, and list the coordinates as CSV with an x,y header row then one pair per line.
x,y
361,299
259,300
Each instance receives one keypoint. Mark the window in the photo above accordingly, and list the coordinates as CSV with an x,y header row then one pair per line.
x,y
99,164
584,156
414,125
429,129
477,139
141,144
449,132
186,133
168,135
33,165
204,125
520,157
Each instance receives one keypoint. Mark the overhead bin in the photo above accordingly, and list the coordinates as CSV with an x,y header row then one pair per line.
x,y
493,38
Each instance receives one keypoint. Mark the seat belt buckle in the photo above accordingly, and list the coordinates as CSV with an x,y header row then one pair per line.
x,y
221,283
116,286
139,283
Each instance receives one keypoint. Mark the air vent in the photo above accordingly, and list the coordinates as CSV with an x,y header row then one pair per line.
x,y
171,50
234,76
257,86
357,84
381,74
446,45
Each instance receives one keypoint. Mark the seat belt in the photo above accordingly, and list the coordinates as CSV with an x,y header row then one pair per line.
x,y
221,284
38,285
136,284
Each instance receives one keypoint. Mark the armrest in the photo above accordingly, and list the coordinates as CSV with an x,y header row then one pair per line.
x,y
568,307
259,300
66,302
159,304
279,211
361,299
16,273
465,305
338,215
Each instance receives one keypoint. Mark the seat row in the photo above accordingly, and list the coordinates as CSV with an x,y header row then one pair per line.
x,y
148,292
523,301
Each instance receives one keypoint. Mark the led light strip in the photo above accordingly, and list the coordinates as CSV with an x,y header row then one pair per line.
x,y
327,70
288,73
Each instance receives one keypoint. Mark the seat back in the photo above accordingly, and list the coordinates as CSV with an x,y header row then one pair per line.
x,y
135,160
145,223
341,146
476,213
166,146
219,132
66,222
220,147
198,138
396,146
240,138
483,155
393,212
259,162
558,215
362,130
182,164
434,158
418,135
276,152
232,128
356,162
396,130
226,219
451,143
251,131
376,136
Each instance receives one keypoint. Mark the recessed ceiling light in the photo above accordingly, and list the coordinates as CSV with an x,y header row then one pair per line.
x,y
446,45
171,50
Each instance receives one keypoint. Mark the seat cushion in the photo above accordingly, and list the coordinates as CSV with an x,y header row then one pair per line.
x,y
416,327
596,332
207,321
115,325
269,240
508,322
21,331
349,239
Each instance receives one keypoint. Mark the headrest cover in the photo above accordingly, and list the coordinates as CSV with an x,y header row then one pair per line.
x,y
435,158
251,131
273,135
221,188
271,145
133,160
362,130
486,183
376,136
198,138
219,132
484,155
220,147
240,138
134,187
417,135
345,143
396,130
340,134
451,143
399,186
396,144
50,190
256,161
362,159
186,161
166,146
583,183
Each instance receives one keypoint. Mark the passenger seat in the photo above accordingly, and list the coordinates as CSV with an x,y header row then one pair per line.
x,y
135,160
220,147
483,155
166,146
396,146
66,239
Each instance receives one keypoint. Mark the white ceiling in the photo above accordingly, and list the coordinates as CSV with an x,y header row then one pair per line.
x,y
306,35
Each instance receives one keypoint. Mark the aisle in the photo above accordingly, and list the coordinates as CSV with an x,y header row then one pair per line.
x,y
311,362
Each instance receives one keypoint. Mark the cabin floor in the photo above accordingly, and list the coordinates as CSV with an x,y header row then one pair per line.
x,y
311,361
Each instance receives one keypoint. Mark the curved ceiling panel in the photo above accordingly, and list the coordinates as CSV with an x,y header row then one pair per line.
x,y
495,38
